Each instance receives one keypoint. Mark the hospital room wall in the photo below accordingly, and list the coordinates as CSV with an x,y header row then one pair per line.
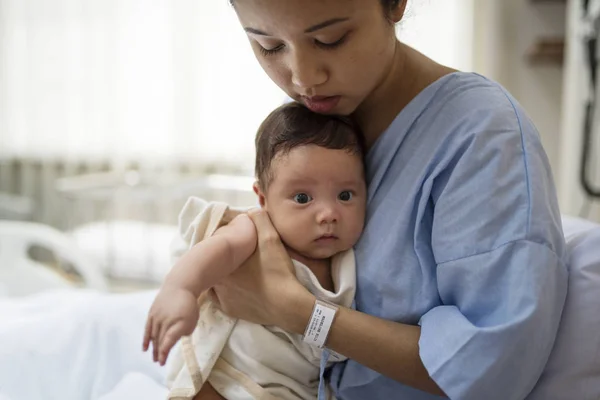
x,y
504,34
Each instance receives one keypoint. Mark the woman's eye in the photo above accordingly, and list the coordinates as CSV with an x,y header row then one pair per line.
x,y
302,198
271,51
326,45
331,45
345,196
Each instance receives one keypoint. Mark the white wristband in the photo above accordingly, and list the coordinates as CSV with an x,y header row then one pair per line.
x,y
319,324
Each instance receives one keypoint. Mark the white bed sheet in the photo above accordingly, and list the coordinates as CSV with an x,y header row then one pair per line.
x,y
136,385
77,345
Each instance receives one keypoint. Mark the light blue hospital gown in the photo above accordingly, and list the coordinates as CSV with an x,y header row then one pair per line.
x,y
464,238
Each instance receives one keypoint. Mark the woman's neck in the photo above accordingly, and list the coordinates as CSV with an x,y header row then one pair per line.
x,y
410,72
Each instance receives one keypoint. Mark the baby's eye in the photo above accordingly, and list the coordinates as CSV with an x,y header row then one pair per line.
x,y
345,196
302,198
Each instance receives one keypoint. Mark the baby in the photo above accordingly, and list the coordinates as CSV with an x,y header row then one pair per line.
x,y
310,180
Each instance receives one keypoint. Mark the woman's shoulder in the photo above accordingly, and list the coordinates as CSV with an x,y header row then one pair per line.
x,y
470,87
468,112
488,143
458,112
471,103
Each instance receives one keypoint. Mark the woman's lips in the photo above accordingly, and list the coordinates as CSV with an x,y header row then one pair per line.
x,y
321,104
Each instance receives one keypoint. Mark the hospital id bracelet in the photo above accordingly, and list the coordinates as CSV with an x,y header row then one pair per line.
x,y
319,324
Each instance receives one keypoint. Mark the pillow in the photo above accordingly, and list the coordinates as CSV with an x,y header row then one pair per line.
x,y
127,249
573,370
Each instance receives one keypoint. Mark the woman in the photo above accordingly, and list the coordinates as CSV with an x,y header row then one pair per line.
x,y
461,273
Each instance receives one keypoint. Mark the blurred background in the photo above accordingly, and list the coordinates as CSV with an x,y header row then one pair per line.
x,y
113,112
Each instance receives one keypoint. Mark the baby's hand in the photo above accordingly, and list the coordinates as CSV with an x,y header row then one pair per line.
x,y
173,314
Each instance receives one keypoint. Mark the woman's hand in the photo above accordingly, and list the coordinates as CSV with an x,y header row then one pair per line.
x,y
229,215
264,290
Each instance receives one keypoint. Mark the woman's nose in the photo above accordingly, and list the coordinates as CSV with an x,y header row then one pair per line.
x,y
306,71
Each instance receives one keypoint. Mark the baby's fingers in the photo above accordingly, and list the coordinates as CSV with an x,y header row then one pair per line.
x,y
154,336
172,335
147,332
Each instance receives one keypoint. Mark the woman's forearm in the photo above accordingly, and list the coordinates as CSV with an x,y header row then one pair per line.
x,y
390,348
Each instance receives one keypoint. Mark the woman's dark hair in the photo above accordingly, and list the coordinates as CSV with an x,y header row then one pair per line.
x,y
388,5
293,125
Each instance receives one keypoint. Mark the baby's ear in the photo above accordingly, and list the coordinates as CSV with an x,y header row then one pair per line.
x,y
261,196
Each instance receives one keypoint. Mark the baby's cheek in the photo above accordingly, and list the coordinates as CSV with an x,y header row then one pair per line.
x,y
293,230
284,227
291,236
354,233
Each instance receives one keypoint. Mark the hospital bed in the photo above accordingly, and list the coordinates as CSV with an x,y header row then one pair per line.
x,y
63,334
74,340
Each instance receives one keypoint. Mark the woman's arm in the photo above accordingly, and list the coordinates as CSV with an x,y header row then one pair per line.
x,y
390,348
387,347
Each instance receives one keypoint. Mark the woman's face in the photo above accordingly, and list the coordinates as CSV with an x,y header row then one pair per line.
x,y
328,54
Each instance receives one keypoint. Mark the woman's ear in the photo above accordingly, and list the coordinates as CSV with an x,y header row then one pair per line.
x,y
262,200
397,11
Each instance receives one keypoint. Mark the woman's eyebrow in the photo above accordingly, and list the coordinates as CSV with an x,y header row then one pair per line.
x,y
312,29
325,24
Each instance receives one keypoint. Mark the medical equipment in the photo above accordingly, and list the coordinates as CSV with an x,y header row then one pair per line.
x,y
591,19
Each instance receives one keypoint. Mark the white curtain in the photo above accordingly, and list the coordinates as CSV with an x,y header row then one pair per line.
x,y
155,79
129,79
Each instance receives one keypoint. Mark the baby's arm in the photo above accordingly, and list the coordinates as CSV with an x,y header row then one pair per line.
x,y
174,312
212,259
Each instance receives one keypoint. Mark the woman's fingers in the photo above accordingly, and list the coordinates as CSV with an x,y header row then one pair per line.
x,y
267,235
212,295
229,215
253,291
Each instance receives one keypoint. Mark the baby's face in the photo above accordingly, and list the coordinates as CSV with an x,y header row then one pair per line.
x,y
317,200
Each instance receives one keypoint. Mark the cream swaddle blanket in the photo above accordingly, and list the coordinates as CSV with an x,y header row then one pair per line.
x,y
242,360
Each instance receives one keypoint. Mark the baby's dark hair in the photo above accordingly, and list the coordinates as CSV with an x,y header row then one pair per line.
x,y
293,125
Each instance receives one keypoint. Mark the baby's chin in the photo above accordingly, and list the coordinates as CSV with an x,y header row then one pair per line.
x,y
322,252
315,251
